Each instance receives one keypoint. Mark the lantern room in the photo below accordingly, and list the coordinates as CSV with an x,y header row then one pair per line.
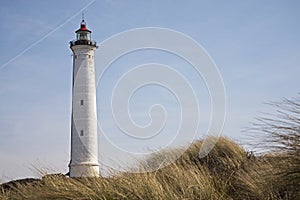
x,y
83,33
83,36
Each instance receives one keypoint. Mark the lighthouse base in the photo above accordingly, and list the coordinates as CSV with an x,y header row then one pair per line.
x,y
84,170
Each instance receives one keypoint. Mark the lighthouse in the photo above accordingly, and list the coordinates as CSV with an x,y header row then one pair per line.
x,y
84,144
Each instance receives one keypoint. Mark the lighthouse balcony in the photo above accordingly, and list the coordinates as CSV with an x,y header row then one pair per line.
x,y
83,42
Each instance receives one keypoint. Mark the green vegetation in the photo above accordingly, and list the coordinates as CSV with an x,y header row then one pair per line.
x,y
228,172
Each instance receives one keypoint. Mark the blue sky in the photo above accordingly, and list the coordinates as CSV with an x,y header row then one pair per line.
x,y
255,45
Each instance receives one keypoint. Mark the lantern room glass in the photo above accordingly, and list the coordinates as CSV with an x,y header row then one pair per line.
x,y
83,35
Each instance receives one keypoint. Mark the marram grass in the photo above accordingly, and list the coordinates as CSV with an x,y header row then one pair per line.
x,y
228,172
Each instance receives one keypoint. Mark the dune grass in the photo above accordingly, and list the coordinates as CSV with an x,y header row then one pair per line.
x,y
228,172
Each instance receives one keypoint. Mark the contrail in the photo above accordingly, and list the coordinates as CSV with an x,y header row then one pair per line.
x,y
45,36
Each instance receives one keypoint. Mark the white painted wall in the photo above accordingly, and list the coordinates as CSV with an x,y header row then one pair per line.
x,y
84,148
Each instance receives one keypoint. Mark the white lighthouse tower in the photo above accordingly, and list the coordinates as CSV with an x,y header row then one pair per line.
x,y
84,144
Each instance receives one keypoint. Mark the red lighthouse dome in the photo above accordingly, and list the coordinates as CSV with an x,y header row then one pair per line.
x,y
83,27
